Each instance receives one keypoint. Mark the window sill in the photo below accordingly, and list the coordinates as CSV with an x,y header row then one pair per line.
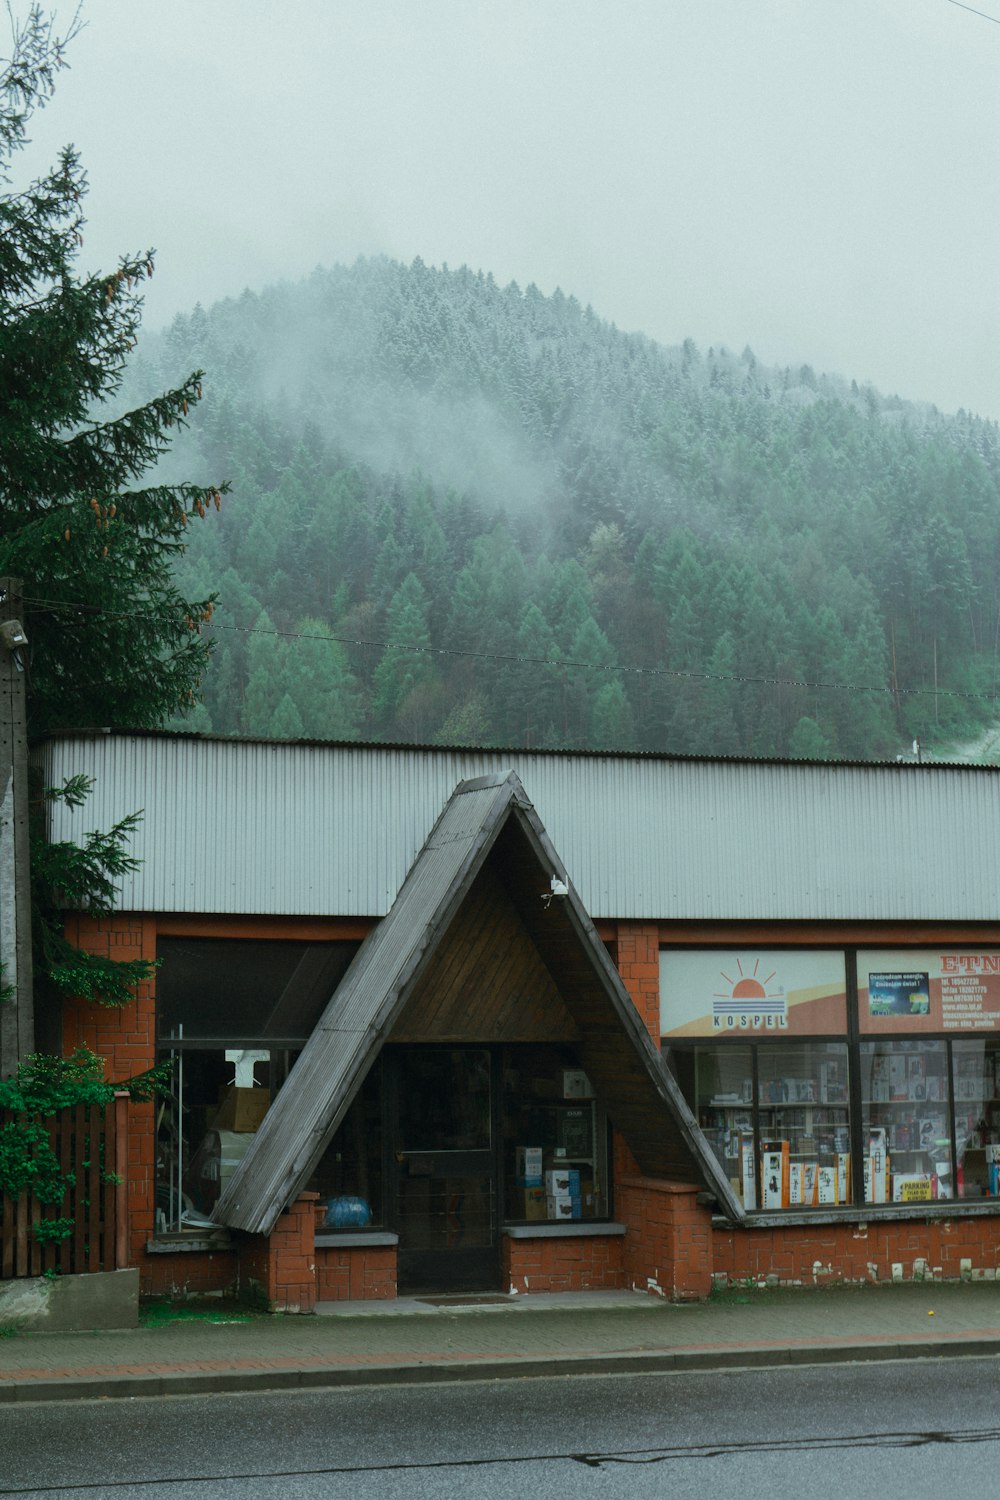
x,y
867,1213
355,1239
563,1230
184,1244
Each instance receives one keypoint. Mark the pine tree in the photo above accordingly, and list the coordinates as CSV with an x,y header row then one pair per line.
x,y
113,640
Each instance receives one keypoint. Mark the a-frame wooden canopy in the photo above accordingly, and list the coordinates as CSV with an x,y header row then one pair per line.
x,y
488,839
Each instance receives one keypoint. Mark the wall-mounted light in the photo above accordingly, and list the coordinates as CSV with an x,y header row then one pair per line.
x,y
13,635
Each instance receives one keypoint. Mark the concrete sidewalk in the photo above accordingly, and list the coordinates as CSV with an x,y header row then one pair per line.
x,y
492,1338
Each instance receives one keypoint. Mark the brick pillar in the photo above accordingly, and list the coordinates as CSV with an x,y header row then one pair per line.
x,y
282,1264
668,1241
638,956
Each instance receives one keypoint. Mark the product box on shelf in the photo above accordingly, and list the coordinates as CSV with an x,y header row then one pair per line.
x,y
528,1165
563,1180
530,1203
560,1206
241,1109
576,1084
748,1179
774,1168
826,1185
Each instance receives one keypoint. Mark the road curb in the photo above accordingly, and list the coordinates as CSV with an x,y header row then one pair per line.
x,y
437,1372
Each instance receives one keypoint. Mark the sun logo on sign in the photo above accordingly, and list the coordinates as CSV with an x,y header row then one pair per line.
x,y
747,992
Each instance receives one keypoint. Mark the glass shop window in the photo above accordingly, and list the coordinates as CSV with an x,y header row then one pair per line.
x,y
777,1116
905,1123
554,1137
232,1016
805,1125
722,1082
975,1063
349,1175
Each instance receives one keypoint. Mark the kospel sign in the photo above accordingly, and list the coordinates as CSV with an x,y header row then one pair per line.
x,y
719,992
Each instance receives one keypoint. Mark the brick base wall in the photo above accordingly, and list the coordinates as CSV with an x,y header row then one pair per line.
x,y
282,1264
365,1273
187,1274
908,1249
578,1263
668,1241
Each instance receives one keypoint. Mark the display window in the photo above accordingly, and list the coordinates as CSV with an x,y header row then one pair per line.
x,y
232,1017
553,1137
905,1103
976,1096
901,1107
778,1118
349,1175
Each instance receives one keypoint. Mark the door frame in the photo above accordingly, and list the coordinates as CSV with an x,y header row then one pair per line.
x,y
442,1271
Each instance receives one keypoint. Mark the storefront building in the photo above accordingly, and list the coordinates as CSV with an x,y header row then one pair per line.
x,y
484,1020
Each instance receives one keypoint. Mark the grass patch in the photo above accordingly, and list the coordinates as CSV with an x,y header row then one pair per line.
x,y
157,1312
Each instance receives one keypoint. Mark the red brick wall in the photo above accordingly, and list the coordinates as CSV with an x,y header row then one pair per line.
x,y
188,1274
668,1242
638,958
803,1255
578,1263
283,1264
367,1272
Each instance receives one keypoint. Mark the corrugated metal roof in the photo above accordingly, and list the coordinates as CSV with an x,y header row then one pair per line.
x,y
259,828
656,1122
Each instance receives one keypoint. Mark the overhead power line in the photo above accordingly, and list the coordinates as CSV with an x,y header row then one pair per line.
x,y
973,11
518,659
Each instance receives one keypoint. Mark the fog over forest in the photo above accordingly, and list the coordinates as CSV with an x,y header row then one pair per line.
x,y
472,514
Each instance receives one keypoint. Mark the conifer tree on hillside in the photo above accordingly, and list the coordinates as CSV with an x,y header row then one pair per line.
x,y
113,640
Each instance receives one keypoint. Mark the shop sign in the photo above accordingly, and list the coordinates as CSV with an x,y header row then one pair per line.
x,y
902,990
720,992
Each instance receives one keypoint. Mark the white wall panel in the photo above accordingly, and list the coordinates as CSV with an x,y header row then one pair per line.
x,y
256,828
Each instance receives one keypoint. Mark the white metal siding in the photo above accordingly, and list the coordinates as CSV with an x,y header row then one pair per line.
x,y
245,827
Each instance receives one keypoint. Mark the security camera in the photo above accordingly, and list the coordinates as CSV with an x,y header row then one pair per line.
x,y
558,890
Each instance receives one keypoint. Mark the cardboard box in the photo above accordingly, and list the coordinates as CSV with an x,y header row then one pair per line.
x,y
559,1206
576,1084
530,1203
241,1109
563,1180
528,1163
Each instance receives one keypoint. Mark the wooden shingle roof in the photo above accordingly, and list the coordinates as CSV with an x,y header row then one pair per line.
x,y
487,821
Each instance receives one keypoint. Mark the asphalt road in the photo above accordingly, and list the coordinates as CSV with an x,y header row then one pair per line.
x,y
902,1429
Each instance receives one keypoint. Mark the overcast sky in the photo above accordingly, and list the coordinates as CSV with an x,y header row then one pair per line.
x,y
819,179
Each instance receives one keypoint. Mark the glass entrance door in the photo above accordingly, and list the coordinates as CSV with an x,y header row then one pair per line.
x,y
445,1164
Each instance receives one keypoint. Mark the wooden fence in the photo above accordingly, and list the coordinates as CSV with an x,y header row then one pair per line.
x,y
92,1145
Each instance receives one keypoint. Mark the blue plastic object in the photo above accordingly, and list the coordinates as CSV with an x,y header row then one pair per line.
x,y
347,1213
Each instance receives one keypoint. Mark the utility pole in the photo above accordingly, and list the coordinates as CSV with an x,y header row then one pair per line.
x,y
17,1016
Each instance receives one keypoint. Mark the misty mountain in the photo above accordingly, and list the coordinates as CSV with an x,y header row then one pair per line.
x,y
471,514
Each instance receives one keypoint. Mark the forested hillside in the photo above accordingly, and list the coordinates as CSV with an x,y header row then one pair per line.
x,y
463,513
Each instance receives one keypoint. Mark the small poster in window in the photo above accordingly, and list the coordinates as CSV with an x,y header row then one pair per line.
x,y
899,994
